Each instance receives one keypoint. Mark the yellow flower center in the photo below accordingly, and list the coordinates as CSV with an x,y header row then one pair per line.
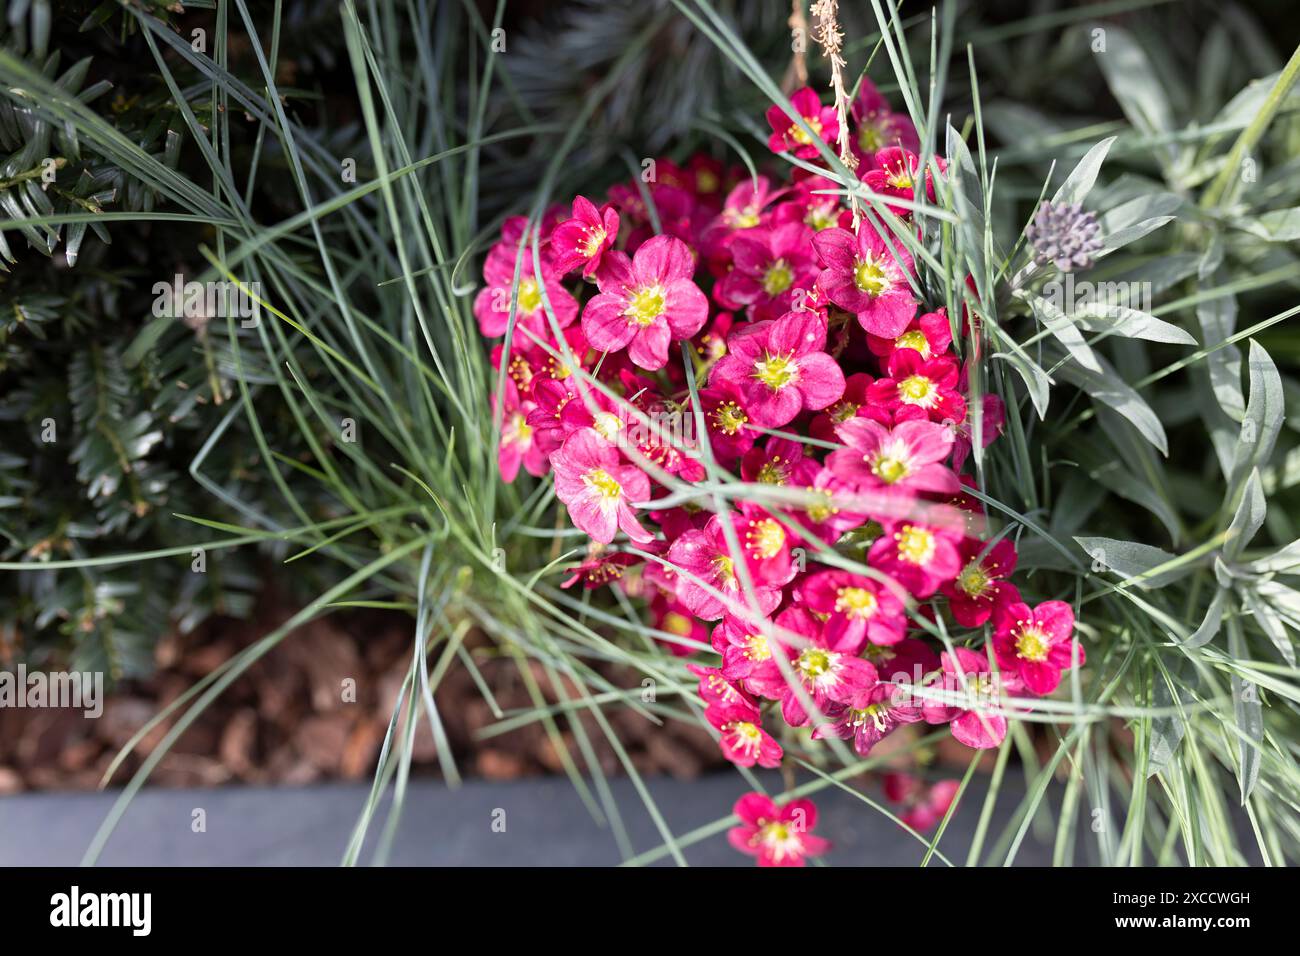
x,y
843,411
915,545
757,649
974,580
724,567
647,305
889,468
900,178
870,137
872,714
824,507
746,218
773,472
778,838
530,296
857,603
797,132
766,538
603,482
821,216
678,624
870,277
595,237
519,431
813,662
746,731
706,181
778,278
607,425
914,340
729,417
776,371
1031,644
917,390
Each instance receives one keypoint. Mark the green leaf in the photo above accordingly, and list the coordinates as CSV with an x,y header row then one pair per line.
x,y
1084,176
1108,388
1066,332
1248,518
1132,561
1281,225
1210,624
1131,324
1134,83
1263,601
1218,320
1250,718
1166,729
1285,561
1265,413
1036,381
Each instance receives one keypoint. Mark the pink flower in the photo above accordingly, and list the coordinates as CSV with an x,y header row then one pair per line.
x,y
744,209
894,173
564,406
925,807
582,240
744,741
597,486
860,609
929,334
994,416
979,584
878,126
826,672
1037,644
980,720
904,459
917,556
716,689
518,444
780,368
534,357
711,344
830,512
907,662
920,388
769,265
493,302
813,203
730,433
743,645
853,403
867,276
772,464
789,136
871,717
601,567
705,565
669,615
778,836
645,302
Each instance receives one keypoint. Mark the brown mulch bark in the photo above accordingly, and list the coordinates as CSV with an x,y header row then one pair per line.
x,y
286,719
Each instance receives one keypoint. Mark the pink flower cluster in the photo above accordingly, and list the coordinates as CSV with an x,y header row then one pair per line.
x,y
761,312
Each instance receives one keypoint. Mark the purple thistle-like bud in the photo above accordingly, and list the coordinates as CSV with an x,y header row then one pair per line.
x,y
1064,235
